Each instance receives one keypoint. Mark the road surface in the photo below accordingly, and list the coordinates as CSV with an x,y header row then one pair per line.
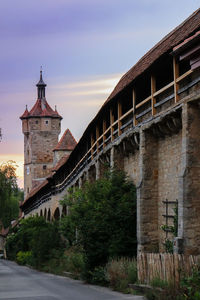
x,y
23,283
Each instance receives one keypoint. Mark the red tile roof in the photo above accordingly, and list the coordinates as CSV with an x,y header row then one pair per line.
x,y
189,40
176,36
25,114
41,109
67,142
35,190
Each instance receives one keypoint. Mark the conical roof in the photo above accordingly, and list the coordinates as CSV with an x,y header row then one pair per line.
x,y
25,114
41,108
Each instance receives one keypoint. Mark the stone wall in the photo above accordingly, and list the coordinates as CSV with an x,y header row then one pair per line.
x,y
40,138
164,165
131,166
169,165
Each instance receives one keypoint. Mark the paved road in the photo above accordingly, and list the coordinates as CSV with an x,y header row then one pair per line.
x,y
22,283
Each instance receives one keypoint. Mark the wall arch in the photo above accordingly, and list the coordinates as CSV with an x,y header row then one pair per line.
x,y
49,215
45,213
64,210
56,214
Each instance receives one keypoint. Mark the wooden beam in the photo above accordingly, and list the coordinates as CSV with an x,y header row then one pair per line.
x,y
92,143
104,129
119,107
143,102
134,108
111,122
97,136
176,75
153,90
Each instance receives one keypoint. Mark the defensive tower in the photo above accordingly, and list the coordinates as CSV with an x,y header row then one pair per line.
x,y
41,127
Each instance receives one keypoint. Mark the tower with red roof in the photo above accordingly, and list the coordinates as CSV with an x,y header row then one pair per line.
x,y
41,127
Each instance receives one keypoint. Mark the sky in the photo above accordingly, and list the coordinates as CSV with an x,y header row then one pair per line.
x,y
84,47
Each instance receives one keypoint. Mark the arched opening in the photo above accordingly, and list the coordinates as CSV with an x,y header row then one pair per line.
x,y
57,214
49,215
64,211
45,213
41,214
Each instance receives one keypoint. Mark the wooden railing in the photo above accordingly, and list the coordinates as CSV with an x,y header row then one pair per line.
x,y
116,127
110,132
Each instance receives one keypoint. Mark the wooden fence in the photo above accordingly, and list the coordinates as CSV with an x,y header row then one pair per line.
x,y
167,267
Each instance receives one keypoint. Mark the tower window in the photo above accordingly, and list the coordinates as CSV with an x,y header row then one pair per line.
x,y
46,122
36,122
27,190
28,170
44,167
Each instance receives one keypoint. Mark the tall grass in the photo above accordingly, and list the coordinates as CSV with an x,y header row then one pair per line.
x,y
120,272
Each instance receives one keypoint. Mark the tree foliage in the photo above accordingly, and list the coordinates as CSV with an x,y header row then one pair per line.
x,y
34,235
102,219
10,194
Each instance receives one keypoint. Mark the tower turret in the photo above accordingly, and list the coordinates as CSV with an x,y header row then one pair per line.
x,y
41,127
41,87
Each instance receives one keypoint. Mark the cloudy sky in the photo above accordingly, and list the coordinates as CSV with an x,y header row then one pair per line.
x,y
84,47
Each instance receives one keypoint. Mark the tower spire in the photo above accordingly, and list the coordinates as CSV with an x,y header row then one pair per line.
x,y
41,86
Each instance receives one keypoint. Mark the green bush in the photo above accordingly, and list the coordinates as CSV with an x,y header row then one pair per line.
x,y
25,258
98,276
190,285
36,235
74,262
103,214
157,282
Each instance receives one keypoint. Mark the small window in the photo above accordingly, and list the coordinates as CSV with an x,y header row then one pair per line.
x,y
27,190
44,167
47,122
28,152
36,122
28,170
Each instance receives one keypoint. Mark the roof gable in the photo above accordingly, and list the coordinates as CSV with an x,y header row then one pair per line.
x,y
67,142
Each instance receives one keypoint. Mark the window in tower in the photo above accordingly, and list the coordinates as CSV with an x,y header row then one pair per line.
x,y
28,170
46,122
44,167
36,122
27,190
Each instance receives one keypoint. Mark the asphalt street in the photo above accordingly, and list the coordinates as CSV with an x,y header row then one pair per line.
x,y
22,283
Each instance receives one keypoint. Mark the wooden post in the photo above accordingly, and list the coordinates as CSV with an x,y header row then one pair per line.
x,y
104,129
153,90
134,108
97,136
119,106
111,122
176,75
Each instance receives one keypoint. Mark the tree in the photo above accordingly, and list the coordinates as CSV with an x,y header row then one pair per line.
x,y
35,236
10,194
104,214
